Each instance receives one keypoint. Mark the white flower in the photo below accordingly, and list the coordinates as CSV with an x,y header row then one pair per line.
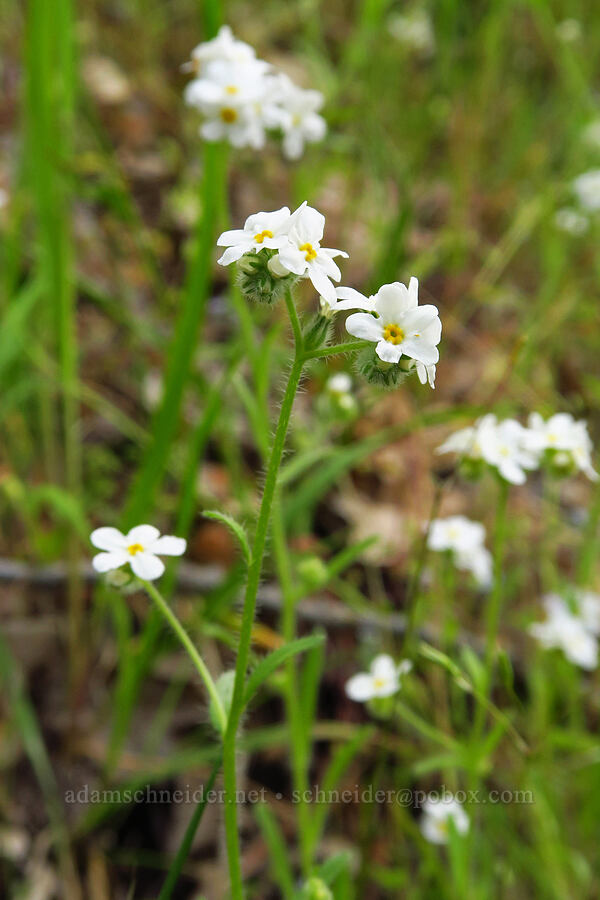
x,y
571,221
230,97
414,30
568,31
401,327
304,256
565,435
139,547
465,539
503,445
587,189
298,116
339,387
261,230
382,680
567,632
438,812
224,47
591,133
589,610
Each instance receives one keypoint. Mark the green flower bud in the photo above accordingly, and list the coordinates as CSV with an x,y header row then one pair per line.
x,y
224,685
316,889
376,371
313,571
317,332
257,282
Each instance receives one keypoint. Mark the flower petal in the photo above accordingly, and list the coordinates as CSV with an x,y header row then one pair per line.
x,y
143,534
229,238
147,566
104,562
321,283
108,539
391,301
168,545
360,688
232,254
365,326
349,298
293,260
390,353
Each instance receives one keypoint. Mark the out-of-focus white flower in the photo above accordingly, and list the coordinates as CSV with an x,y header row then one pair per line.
x,y
382,679
587,190
588,604
263,230
414,30
299,117
230,97
502,445
139,547
400,327
339,388
224,47
568,31
591,133
465,539
571,221
304,256
241,97
438,812
568,632
566,439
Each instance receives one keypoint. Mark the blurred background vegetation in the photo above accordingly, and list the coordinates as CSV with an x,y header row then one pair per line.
x,y
127,386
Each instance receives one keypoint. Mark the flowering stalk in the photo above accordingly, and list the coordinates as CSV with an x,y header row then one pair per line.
x,y
184,638
495,600
254,573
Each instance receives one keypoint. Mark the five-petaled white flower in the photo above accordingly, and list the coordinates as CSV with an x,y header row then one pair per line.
x,y
304,256
139,547
465,539
572,632
400,327
263,230
438,812
382,679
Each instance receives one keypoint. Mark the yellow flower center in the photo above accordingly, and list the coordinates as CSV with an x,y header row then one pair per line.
x,y
229,115
231,89
379,682
309,251
259,238
393,334
135,548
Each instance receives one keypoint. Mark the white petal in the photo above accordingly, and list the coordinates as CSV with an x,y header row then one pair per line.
x,y
143,534
389,353
147,566
232,254
321,283
168,545
104,562
360,688
365,326
293,260
229,238
421,351
108,539
391,301
383,666
349,298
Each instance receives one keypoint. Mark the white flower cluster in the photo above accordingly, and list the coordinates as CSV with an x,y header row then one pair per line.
x,y
241,97
574,631
586,188
465,539
392,319
382,679
438,813
339,388
513,450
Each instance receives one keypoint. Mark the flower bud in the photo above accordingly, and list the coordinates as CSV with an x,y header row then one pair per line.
x,y
224,685
316,889
376,371
256,280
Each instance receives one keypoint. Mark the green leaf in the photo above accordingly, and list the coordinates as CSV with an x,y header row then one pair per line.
x,y
271,662
235,528
278,853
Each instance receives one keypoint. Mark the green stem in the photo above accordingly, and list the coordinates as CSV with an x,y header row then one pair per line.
x,y
345,347
494,605
254,573
195,657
